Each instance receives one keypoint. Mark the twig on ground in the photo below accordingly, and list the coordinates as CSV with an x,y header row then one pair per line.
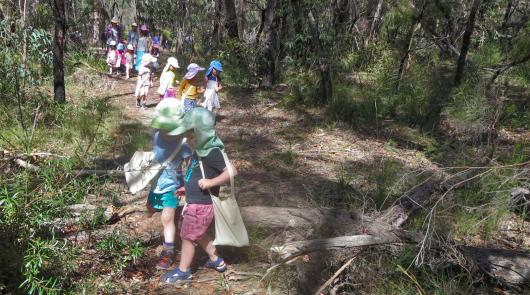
x,y
27,165
337,273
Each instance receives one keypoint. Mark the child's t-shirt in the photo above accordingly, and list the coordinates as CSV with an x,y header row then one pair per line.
x,y
170,179
111,57
213,164
144,74
189,89
129,58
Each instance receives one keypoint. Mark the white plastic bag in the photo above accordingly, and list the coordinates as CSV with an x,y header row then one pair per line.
x,y
143,167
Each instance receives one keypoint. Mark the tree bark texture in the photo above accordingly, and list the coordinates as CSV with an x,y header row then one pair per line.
x,y
58,7
326,86
466,40
216,32
96,20
231,19
341,9
408,45
375,21
269,44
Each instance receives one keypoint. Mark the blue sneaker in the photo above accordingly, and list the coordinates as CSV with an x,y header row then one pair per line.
x,y
219,265
177,276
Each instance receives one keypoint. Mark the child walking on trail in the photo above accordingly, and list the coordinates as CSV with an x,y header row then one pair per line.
x,y
206,172
144,80
129,60
167,79
162,196
213,86
189,89
120,62
112,57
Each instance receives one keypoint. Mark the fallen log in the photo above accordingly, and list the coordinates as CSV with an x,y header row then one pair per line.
x,y
293,249
332,220
509,266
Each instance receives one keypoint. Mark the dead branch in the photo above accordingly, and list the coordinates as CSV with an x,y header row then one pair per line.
x,y
337,273
293,249
23,164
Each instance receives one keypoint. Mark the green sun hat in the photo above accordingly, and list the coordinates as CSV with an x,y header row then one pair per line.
x,y
169,116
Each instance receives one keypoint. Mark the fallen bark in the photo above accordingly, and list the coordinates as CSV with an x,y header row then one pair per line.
x,y
293,249
509,266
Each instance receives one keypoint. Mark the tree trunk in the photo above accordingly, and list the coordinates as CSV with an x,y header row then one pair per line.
x,y
326,86
179,27
216,33
231,19
58,7
377,15
408,45
96,17
340,14
466,40
269,43
242,19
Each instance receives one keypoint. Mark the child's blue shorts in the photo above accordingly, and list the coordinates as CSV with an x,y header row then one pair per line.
x,y
164,200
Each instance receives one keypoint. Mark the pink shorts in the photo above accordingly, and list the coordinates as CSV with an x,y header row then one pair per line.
x,y
196,218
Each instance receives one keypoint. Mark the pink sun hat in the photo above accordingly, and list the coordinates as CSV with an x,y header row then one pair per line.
x,y
193,70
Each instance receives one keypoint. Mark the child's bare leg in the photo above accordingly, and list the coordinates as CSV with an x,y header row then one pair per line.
x,y
168,222
186,256
127,71
207,244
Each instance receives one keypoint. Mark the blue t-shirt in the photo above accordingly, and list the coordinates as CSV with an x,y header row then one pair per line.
x,y
171,178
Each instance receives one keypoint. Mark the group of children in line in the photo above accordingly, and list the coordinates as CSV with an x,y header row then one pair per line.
x,y
193,91
125,55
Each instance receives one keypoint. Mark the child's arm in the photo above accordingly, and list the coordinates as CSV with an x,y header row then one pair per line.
x,y
221,179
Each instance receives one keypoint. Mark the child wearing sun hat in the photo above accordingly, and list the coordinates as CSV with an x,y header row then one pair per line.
x,y
190,89
167,79
144,80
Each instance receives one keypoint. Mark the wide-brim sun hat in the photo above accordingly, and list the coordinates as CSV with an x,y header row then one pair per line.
x,y
147,59
193,70
121,46
144,28
112,43
173,62
114,20
134,25
215,64
170,117
130,47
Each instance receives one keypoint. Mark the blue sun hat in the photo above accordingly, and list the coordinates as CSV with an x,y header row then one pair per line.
x,y
215,64
121,47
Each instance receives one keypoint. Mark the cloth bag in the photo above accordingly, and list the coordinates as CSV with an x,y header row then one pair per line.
x,y
229,227
143,168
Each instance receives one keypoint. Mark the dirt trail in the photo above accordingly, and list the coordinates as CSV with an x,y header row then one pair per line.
x,y
286,157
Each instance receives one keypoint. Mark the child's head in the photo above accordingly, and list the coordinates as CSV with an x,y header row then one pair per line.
x,y
215,69
121,47
130,48
193,70
144,30
172,64
112,45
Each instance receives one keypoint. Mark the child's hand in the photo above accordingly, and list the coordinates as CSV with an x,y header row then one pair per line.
x,y
180,193
205,184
